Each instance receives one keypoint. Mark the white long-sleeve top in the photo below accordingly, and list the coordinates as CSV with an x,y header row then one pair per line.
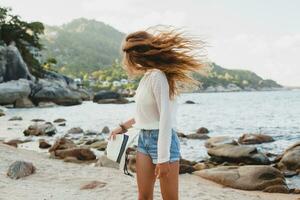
x,y
155,110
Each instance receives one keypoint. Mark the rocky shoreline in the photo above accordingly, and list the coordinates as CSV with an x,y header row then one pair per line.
x,y
20,89
54,179
230,163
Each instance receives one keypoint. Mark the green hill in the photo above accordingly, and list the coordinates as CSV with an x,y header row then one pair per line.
x,y
244,79
82,45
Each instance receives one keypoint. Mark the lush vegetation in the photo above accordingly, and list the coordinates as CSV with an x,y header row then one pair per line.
x,y
25,35
105,78
82,46
219,76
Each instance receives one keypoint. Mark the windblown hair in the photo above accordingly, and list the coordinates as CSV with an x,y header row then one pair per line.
x,y
170,51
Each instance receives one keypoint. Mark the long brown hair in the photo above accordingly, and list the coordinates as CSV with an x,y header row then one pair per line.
x,y
169,50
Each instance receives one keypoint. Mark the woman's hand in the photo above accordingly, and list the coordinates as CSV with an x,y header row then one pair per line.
x,y
162,169
114,132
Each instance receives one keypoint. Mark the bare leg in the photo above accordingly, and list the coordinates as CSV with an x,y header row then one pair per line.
x,y
169,183
145,176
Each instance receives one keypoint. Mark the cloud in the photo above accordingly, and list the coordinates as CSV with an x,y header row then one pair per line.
x,y
271,57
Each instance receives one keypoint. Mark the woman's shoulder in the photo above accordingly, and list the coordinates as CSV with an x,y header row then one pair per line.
x,y
157,74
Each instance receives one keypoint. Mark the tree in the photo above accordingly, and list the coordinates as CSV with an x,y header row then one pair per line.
x,y
25,35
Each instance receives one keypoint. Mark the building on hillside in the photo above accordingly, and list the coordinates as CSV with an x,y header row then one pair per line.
x,y
124,81
117,83
106,83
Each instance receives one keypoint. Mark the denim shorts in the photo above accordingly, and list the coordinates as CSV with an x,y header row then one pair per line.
x,y
147,144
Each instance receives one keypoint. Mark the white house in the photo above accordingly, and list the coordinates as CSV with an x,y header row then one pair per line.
x,y
124,81
106,83
116,83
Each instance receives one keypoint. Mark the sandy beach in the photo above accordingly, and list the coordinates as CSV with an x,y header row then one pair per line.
x,y
55,179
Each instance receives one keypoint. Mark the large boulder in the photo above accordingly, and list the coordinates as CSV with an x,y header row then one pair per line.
x,y
39,129
23,103
2,63
12,65
61,144
11,91
252,138
202,130
237,154
75,130
219,140
82,154
20,169
43,144
56,91
253,177
104,97
197,136
290,160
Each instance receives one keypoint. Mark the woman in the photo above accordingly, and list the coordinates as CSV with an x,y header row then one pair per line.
x,y
165,59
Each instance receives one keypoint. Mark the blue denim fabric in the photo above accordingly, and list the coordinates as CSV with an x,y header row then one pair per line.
x,y
147,144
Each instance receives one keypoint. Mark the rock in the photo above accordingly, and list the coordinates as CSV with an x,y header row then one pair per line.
x,y
189,102
187,162
89,141
56,91
82,154
202,130
61,144
200,166
14,67
75,130
290,159
23,103
40,129
37,120
43,144
186,169
186,166
46,104
253,138
100,145
103,161
59,120
180,134
105,97
253,177
93,185
90,133
237,154
20,169
62,124
16,118
113,101
84,94
197,136
11,91
105,130
15,142
219,140
2,114
289,174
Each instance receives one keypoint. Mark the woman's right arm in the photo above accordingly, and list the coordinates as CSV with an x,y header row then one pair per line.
x,y
127,124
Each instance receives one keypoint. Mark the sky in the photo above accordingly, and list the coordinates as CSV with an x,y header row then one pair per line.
x,y
258,35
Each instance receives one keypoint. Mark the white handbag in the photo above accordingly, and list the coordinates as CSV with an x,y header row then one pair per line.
x,y
116,149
